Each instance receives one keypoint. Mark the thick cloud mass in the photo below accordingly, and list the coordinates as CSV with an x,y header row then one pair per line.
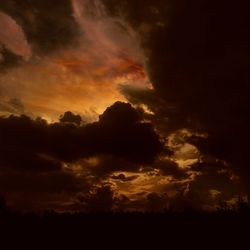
x,y
35,145
199,65
32,153
71,118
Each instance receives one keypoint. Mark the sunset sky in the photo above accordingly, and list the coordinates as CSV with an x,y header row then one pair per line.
x,y
124,105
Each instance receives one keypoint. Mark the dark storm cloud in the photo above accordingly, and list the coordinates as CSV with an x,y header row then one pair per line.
x,y
214,183
107,164
124,178
110,163
123,134
212,166
32,154
165,116
231,145
48,25
199,64
20,138
201,190
34,145
170,168
71,118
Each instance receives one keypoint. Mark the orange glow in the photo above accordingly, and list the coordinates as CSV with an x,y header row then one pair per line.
x,y
83,79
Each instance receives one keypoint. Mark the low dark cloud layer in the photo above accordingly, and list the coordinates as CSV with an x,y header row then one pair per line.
x,y
28,143
33,152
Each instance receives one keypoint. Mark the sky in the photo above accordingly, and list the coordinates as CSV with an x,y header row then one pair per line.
x,y
124,105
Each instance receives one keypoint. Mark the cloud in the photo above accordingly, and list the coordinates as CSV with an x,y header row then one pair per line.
x,y
100,199
127,136
38,158
124,178
162,113
71,118
48,25
8,59
170,168
13,38
11,106
80,56
199,194
107,164
30,144
198,59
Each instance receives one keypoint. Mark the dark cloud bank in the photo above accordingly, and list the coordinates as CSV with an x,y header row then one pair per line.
x,y
119,132
199,65
33,152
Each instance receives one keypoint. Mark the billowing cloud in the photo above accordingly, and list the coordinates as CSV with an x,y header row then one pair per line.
x,y
37,152
119,132
69,117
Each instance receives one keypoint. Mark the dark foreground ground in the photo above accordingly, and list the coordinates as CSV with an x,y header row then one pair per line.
x,y
118,230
